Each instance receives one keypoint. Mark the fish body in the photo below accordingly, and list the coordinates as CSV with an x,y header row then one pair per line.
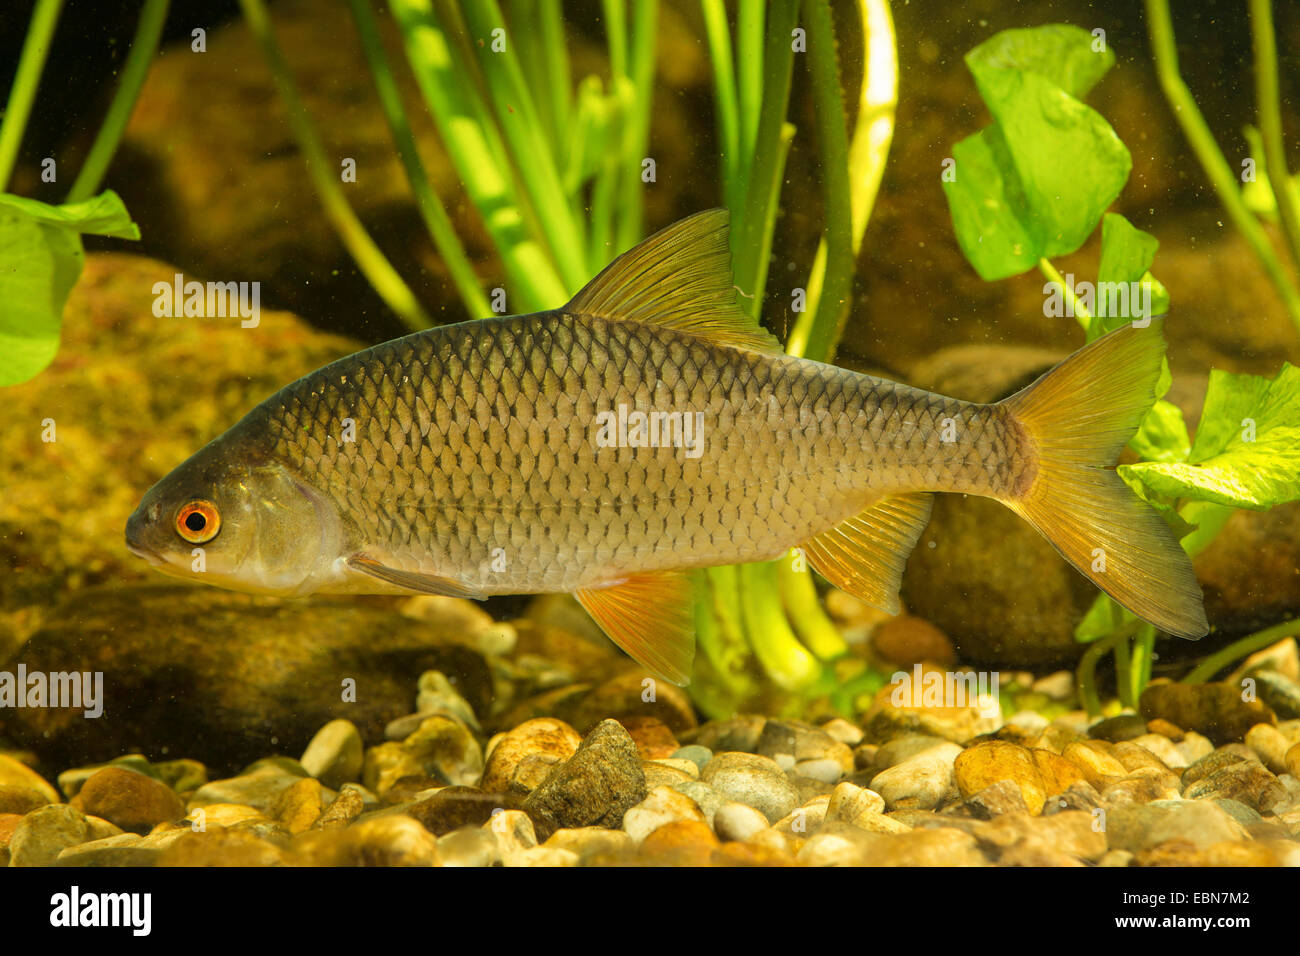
x,y
645,429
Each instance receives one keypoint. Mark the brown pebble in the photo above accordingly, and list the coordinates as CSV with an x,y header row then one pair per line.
x,y
653,738
908,640
131,800
687,842
1165,729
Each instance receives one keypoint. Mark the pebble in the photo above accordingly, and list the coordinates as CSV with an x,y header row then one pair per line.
x,y
469,846
130,800
594,787
592,843
1278,693
71,781
681,843
546,856
1094,760
1247,781
737,821
1057,773
435,694
997,799
446,751
1165,729
1215,710
259,786
804,819
1163,749
343,809
394,840
635,694
901,748
653,738
21,800
825,769
335,755
752,780
1270,745
1142,785
906,640
1201,822
1293,761
1282,657
738,734
705,797
662,805
513,831
853,804
919,782
1194,746
659,775
1134,756
125,849
847,733
299,807
695,754
221,847
985,764
446,809
41,835
1072,833
14,773
546,740
1119,727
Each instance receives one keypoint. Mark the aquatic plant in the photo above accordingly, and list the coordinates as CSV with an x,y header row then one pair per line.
x,y
558,172
1034,185
40,243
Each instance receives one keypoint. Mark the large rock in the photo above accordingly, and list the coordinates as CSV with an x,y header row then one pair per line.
x,y
233,677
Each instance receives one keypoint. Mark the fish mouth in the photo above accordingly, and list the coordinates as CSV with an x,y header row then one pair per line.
x,y
140,551
134,528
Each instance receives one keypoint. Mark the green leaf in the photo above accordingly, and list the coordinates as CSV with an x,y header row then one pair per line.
x,y
40,261
1058,52
1036,182
1247,448
1162,435
102,215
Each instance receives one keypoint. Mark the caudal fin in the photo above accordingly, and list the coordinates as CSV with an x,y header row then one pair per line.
x,y
1076,419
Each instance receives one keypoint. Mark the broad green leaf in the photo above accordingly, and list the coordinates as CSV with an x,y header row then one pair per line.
x,y
1162,435
40,261
1247,449
102,215
1059,52
988,221
1059,164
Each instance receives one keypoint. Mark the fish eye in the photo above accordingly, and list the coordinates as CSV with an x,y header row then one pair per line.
x,y
198,522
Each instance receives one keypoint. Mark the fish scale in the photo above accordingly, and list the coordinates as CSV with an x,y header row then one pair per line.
x,y
469,439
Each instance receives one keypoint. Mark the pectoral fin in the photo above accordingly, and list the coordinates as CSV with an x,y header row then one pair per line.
x,y
411,580
865,555
652,617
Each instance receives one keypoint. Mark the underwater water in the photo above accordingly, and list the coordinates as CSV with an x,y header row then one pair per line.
x,y
450,602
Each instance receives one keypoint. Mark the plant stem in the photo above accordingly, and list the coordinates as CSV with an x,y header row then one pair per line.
x,y
828,313
1241,648
1080,310
534,161
27,78
814,628
1270,123
1086,674
372,262
431,210
636,126
718,33
1187,113
878,100
779,652
752,235
471,141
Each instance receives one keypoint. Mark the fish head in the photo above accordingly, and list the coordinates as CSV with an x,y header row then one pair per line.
x,y
235,517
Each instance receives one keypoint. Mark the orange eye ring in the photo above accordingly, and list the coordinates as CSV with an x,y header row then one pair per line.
x,y
198,521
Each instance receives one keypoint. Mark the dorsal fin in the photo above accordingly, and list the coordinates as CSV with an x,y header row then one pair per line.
x,y
679,278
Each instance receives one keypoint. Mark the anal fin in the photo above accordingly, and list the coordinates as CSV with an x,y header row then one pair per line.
x,y
865,555
411,580
652,618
